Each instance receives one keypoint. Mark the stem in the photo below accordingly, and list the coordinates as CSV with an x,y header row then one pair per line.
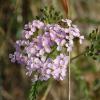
x,y
69,70
78,56
69,79
33,91
47,91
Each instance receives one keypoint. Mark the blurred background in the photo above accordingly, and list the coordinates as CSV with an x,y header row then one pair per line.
x,y
85,72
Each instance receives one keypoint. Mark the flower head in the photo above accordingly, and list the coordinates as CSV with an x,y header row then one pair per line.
x,y
38,43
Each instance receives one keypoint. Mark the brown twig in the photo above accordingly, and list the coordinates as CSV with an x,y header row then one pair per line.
x,y
47,91
65,5
6,95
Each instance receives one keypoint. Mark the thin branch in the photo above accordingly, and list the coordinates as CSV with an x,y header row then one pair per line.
x,y
78,56
69,79
6,95
65,6
47,92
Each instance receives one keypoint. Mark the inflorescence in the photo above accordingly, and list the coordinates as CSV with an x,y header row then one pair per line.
x,y
44,47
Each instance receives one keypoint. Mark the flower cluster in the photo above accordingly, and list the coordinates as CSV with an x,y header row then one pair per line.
x,y
39,41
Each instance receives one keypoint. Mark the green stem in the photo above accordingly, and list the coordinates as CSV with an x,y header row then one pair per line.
x,y
78,56
33,91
